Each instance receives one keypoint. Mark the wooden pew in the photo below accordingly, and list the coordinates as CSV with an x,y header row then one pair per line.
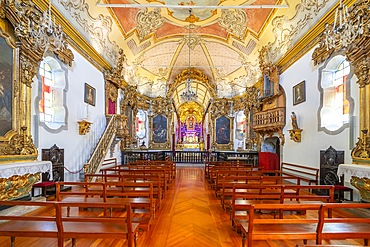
x,y
228,182
98,225
245,195
347,227
157,179
60,226
220,174
306,173
168,166
209,164
158,163
108,164
277,228
138,195
29,225
212,173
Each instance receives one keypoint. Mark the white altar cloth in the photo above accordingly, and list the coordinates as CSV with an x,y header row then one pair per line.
x,y
21,168
349,170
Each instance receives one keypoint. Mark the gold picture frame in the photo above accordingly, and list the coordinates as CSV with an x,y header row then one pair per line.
x,y
159,134
223,133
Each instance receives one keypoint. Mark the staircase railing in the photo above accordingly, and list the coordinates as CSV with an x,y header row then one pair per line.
x,y
102,147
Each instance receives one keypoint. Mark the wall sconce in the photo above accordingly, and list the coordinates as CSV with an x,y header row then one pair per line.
x,y
84,127
295,134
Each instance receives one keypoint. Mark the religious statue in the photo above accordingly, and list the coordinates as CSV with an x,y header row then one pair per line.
x,y
294,121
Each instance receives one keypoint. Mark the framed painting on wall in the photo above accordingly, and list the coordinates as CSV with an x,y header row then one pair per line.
x,y
90,94
159,129
223,133
299,93
7,64
222,130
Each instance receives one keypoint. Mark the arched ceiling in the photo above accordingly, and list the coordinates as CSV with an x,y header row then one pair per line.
x,y
163,42
221,44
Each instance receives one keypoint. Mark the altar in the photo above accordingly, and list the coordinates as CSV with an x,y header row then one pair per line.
x,y
357,171
17,179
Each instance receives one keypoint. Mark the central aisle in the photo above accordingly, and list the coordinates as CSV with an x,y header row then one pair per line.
x,y
191,215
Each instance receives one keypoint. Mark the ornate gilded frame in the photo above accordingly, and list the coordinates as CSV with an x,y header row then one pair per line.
x,y
15,57
230,144
159,145
16,19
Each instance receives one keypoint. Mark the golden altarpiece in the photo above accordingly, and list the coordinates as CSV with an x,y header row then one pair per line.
x,y
20,57
357,53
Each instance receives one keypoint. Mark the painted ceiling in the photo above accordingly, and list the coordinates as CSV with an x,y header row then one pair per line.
x,y
221,44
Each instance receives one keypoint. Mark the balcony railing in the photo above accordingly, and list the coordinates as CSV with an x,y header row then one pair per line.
x,y
269,119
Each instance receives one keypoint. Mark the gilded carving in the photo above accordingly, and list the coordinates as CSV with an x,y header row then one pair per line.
x,y
162,106
131,99
20,144
23,16
148,21
112,91
2,8
116,75
29,70
363,186
234,21
220,107
17,186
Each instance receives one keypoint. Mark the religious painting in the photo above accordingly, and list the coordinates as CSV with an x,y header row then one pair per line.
x,y
89,95
159,129
222,130
6,86
299,93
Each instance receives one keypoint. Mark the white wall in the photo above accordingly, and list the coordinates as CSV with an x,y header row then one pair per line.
x,y
307,152
77,148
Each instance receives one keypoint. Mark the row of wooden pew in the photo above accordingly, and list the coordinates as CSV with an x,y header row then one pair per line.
x,y
136,189
57,224
258,200
319,228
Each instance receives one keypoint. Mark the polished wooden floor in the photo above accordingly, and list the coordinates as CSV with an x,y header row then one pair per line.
x,y
191,216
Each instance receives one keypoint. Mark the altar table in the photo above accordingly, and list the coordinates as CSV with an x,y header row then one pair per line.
x,y
349,170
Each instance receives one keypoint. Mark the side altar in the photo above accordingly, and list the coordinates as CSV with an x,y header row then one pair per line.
x,y
357,176
17,179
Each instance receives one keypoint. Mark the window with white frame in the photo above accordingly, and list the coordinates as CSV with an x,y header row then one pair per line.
x,y
52,110
336,103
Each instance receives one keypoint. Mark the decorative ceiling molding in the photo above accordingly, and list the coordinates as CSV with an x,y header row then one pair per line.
x,y
98,29
285,29
135,49
234,22
248,49
148,22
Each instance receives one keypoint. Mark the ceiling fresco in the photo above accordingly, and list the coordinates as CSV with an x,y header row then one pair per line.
x,y
221,43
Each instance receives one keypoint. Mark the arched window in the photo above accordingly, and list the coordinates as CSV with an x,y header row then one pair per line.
x,y
51,104
336,103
